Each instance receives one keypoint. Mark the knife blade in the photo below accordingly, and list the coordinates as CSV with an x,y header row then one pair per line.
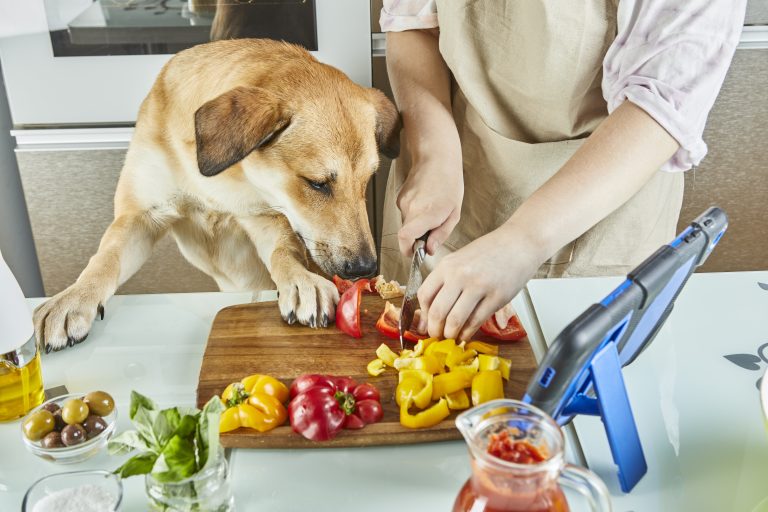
x,y
414,282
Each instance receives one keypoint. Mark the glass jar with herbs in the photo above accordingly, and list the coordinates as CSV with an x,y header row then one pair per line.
x,y
180,456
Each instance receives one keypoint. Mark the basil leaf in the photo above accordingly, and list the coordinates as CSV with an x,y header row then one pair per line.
x,y
138,465
208,432
126,442
179,456
144,419
138,400
165,425
187,426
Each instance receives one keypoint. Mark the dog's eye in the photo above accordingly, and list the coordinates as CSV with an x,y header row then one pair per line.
x,y
320,186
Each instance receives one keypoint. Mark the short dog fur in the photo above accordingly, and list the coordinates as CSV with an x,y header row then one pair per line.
x,y
255,157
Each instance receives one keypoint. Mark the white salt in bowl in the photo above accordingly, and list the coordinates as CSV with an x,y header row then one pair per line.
x,y
75,491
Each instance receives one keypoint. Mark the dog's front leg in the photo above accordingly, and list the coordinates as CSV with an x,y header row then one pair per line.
x,y
302,295
66,318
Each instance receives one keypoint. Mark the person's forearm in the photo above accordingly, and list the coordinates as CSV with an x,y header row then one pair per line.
x,y
612,165
422,87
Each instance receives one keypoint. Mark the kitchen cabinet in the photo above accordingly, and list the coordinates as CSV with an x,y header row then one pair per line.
x,y
69,195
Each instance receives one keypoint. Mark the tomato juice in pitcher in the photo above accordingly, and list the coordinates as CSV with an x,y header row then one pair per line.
x,y
517,462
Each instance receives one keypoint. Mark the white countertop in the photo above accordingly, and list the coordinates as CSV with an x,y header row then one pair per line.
x,y
685,395
698,414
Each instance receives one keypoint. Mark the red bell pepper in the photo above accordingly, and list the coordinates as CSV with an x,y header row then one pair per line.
x,y
513,331
388,325
366,285
348,309
322,405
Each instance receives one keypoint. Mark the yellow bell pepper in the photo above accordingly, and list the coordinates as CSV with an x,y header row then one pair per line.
x,y
414,386
426,418
376,367
488,363
450,382
504,366
486,386
443,346
257,383
386,354
260,411
471,368
458,400
458,356
421,345
254,402
483,348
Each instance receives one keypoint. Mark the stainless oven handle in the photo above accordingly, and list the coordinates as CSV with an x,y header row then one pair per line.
x,y
62,139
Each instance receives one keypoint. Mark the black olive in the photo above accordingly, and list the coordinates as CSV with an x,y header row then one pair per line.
x,y
51,407
52,440
94,426
72,435
59,422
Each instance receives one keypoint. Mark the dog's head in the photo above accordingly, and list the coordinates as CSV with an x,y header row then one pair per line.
x,y
309,145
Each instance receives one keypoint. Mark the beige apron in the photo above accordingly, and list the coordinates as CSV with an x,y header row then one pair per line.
x,y
527,91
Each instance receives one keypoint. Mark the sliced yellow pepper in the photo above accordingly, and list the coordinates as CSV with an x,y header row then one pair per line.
x,y
458,356
504,366
458,400
488,363
426,418
471,368
443,346
426,362
450,382
376,367
421,345
483,348
386,354
486,386
415,386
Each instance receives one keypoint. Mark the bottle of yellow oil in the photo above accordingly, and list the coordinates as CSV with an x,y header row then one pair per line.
x,y
21,381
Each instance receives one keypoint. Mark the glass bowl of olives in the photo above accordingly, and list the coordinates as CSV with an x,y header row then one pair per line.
x,y
70,428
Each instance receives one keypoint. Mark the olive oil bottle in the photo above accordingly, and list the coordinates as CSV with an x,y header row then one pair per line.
x,y
21,382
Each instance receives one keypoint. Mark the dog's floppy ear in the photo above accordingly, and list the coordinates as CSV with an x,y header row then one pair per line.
x,y
230,126
387,124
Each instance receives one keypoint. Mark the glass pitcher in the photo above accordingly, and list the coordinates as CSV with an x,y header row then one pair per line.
x,y
500,486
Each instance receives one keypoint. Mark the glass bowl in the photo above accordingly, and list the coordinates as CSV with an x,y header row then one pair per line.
x,y
47,493
78,452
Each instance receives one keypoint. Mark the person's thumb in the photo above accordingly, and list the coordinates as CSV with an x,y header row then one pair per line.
x,y
413,229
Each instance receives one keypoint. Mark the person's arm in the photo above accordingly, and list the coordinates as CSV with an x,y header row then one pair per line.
x,y
468,286
432,193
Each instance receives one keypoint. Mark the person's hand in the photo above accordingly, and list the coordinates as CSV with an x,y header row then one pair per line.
x,y
473,283
430,200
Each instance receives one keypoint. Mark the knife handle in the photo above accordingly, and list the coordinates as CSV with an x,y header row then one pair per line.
x,y
420,246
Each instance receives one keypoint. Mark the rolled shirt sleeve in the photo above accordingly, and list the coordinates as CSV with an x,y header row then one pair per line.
x,y
670,59
399,15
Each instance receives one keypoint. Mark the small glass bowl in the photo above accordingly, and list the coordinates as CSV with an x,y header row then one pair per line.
x,y
78,452
51,484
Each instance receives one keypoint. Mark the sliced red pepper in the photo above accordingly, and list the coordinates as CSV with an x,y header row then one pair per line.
x,y
366,285
348,310
388,324
513,331
342,284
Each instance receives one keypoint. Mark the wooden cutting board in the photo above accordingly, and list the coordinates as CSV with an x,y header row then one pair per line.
x,y
252,338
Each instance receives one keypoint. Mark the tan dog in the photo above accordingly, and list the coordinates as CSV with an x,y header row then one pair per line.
x,y
252,154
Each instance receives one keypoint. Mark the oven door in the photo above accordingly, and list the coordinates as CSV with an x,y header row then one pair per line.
x,y
92,62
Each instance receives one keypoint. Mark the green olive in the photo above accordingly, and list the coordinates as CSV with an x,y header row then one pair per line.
x,y
38,425
100,403
74,411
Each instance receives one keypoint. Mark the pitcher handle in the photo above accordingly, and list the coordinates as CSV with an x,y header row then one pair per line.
x,y
588,485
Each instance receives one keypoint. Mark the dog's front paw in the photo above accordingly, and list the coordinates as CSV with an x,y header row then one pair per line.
x,y
65,319
309,299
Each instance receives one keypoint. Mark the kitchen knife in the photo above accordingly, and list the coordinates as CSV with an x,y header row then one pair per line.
x,y
414,282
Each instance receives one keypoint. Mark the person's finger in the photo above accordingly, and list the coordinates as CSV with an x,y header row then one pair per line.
x,y
414,228
441,233
426,294
482,312
439,309
460,312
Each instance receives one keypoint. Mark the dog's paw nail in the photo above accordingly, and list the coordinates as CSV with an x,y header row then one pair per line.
x,y
70,341
324,322
78,341
312,322
291,318
100,312
47,349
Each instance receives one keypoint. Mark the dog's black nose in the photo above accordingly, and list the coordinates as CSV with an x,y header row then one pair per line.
x,y
362,266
